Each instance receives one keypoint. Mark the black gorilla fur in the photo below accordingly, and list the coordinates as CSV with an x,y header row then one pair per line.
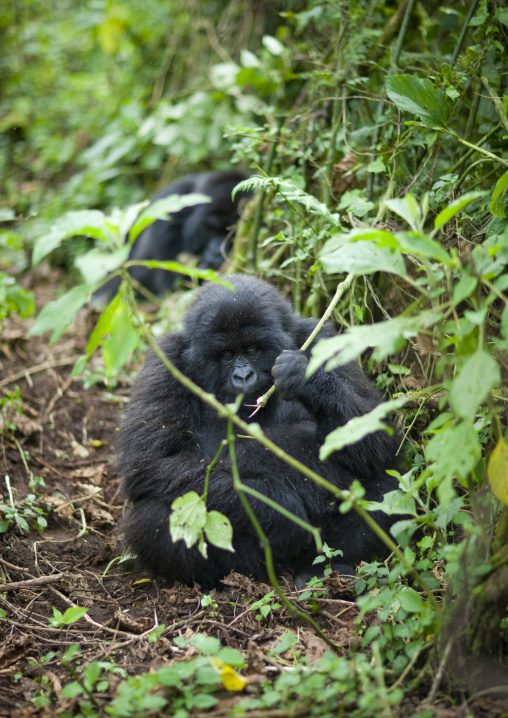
x,y
234,342
201,230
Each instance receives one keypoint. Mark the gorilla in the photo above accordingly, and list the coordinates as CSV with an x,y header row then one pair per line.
x,y
240,343
202,229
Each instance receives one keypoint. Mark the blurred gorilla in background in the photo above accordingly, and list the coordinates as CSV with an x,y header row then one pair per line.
x,y
204,230
239,343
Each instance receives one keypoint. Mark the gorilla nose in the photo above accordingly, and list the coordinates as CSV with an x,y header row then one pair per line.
x,y
243,378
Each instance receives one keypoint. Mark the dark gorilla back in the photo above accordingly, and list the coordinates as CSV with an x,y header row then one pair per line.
x,y
241,342
203,230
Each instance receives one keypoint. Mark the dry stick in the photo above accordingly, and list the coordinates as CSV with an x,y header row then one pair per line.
x,y
40,581
256,432
341,289
34,370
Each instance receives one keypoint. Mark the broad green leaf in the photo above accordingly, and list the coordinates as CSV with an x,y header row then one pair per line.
x,y
423,246
477,377
455,206
188,518
59,314
194,272
464,288
285,643
407,208
122,340
219,531
232,657
418,96
71,690
162,208
410,600
203,701
454,451
209,645
95,265
497,471
85,223
363,258
73,614
372,234
387,338
498,196
359,427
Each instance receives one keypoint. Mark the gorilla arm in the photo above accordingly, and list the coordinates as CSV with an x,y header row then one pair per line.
x,y
333,398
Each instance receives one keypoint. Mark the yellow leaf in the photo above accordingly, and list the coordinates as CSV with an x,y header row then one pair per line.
x,y
231,680
497,471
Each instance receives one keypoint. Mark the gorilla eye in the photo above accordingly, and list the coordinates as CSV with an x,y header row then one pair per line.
x,y
227,357
252,352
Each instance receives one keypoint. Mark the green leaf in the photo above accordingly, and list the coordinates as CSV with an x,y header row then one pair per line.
x,y
410,600
363,258
418,96
423,246
455,207
85,223
454,451
209,645
273,45
203,701
464,288
478,376
162,208
288,639
497,471
387,337
407,208
497,204
95,265
188,518
71,690
219,531
232,657
359,427
59,314
122,340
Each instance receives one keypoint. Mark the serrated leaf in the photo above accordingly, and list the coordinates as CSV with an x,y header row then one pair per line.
x,y
363,258
59,314
359,427
86,223
219,531
410,600
478,376
455,206
387,338
497,471
498,196
188,518
418,96
454,451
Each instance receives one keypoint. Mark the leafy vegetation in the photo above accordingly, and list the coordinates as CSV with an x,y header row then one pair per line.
x,y
377,136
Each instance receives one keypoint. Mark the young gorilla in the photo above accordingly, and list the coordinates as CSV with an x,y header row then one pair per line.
x,y
201,230
232,343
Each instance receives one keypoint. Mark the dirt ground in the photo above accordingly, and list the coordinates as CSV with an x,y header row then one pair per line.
x,y
65,434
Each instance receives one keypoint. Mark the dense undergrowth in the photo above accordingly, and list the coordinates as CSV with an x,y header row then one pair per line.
x,y
377,136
